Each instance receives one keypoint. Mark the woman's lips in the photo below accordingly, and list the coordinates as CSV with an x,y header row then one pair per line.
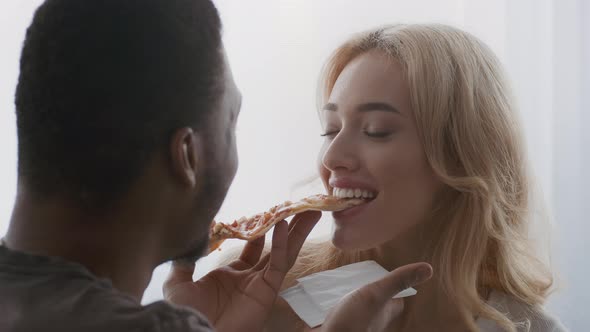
x,y
351,212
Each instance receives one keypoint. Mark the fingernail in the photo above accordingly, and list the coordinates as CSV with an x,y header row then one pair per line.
x,y
422,274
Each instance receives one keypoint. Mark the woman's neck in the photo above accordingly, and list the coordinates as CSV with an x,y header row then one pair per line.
x,y
432,306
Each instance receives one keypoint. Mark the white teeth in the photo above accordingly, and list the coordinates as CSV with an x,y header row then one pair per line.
x,y
352,193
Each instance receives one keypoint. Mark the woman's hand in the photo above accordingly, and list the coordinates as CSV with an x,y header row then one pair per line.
x,y
240,296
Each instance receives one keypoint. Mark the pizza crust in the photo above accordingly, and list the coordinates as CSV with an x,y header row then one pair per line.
x,y
255,226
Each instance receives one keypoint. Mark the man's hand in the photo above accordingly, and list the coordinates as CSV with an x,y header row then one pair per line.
x,y
240,296
371,308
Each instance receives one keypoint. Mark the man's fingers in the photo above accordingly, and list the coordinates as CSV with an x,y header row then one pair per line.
x,y
391,310
380,291
294,221
262,262
372,305
277,267
252,251
300,227
286,244
179,273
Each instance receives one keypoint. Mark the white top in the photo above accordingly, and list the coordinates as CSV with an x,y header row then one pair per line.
x,y
533,320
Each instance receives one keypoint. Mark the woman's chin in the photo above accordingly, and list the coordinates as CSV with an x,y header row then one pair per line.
x,y
349,241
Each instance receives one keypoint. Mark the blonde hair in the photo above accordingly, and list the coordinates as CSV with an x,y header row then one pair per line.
x,y
468,126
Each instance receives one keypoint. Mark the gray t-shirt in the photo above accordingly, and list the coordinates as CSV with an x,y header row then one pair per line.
x,y
50,294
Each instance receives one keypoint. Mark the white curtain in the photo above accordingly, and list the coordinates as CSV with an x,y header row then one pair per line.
x,y
276,49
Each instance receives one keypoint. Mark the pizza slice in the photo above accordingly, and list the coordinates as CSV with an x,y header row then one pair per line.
x,y
257,225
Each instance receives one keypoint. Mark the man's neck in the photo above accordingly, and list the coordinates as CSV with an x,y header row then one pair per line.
x,y
113,247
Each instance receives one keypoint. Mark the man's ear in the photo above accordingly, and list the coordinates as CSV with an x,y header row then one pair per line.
x,y
186,152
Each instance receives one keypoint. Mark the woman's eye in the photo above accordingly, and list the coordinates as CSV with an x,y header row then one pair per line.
x,y
378,134
330,133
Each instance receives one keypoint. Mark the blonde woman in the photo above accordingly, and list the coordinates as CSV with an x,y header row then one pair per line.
x,y
420,117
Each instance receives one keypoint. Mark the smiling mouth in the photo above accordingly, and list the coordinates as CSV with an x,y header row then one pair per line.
x,y
354,193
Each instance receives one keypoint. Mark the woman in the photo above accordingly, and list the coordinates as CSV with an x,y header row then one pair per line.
x,y
420,117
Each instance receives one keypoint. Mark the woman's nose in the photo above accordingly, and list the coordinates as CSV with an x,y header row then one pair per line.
x,y
341,154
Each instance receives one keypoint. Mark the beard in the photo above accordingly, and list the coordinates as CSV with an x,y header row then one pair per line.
x,y
194,253
215,184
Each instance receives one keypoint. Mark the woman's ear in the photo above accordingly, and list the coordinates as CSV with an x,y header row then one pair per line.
x,y
185,152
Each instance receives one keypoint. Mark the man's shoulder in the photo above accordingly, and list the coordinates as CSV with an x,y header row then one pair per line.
x,y
111,316
164,316
114,311
99,309
43,294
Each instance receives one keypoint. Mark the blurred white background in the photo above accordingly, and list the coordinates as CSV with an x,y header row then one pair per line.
x,y
276,49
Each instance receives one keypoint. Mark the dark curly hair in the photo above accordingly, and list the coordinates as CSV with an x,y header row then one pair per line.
x,y
104,83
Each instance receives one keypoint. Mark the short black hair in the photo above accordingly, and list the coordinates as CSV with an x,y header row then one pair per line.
x,y
104,83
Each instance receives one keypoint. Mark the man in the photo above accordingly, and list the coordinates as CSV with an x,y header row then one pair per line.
x,y
126,112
